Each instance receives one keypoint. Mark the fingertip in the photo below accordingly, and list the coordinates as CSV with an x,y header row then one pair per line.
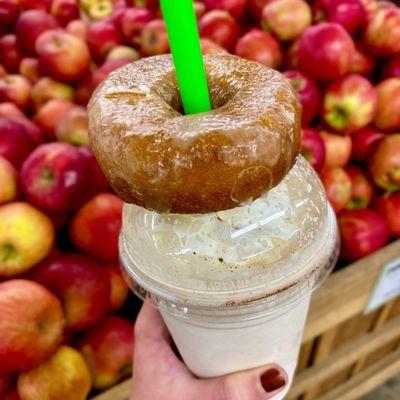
x,y
260,383
273,379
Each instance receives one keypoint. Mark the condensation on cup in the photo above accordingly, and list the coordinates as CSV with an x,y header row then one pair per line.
x,y
234,286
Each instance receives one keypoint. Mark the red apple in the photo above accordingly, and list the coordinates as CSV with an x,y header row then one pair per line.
x,y
348,13
209,47
362,63
391,68
388,116
26,237
15,88
65,376
381,4
119,289
16,140
260,46
199,9
10,53
362,232
83,91
363,141
292,58
12,395
30,25
287,19
123,53
220,27
55,177
63,55
16,145
384,163
98,181
6,382
78,28
3,71
325,51
9,12
118,4
95,227
362,191
36,5
349,103
65,11
102,36
50,113
109,65
8,109
118,11
73,127
308,92
29,68
108,350
31,325
337,184
46,89
338,149
235,7
82,284
85,88
35,132
98,9
382,32
133,21
256,7
154,38
313,148
150,4
370,6
9,181
389,208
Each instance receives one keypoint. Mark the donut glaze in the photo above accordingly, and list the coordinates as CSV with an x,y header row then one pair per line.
x,y
162,160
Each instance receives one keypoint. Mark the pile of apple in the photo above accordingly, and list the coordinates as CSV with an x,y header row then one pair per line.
x,y
60,283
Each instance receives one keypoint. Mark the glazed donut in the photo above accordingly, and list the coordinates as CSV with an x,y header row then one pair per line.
x,y
162,160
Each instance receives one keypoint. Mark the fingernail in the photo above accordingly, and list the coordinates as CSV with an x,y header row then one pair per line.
x,y
272,380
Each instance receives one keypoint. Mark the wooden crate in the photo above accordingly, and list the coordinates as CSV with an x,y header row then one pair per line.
x,y
344,353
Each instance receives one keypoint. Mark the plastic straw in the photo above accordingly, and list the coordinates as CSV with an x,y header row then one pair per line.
x,y
184,41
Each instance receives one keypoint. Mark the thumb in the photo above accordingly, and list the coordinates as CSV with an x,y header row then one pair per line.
x,y
254,384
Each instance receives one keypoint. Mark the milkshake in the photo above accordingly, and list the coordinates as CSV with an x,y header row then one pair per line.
x,y
226,228
234,286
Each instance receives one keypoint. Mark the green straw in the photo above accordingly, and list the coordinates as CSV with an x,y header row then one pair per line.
x,y
184,41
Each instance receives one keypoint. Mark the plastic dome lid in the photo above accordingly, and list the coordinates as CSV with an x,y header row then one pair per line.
x,y
270,249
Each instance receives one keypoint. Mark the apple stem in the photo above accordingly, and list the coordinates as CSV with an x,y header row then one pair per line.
x,y
41,325
6,251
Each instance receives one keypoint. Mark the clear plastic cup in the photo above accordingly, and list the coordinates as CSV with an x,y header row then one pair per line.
x,y
234,286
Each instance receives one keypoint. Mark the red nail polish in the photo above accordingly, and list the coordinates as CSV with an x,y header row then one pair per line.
x,y
272,380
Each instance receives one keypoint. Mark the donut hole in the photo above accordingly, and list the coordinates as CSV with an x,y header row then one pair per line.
x,y
221,92
220,95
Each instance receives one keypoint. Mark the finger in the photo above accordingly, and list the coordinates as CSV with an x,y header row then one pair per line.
x,y
153,342
150,326
255,384
156,369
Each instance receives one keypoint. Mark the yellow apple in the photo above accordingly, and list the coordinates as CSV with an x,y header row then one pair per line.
x,y
9,181
26,237
65,376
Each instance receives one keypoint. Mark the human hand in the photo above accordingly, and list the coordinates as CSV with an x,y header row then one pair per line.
x,y
159,374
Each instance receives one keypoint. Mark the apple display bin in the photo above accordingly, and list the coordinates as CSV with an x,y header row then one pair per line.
x,y
345,353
